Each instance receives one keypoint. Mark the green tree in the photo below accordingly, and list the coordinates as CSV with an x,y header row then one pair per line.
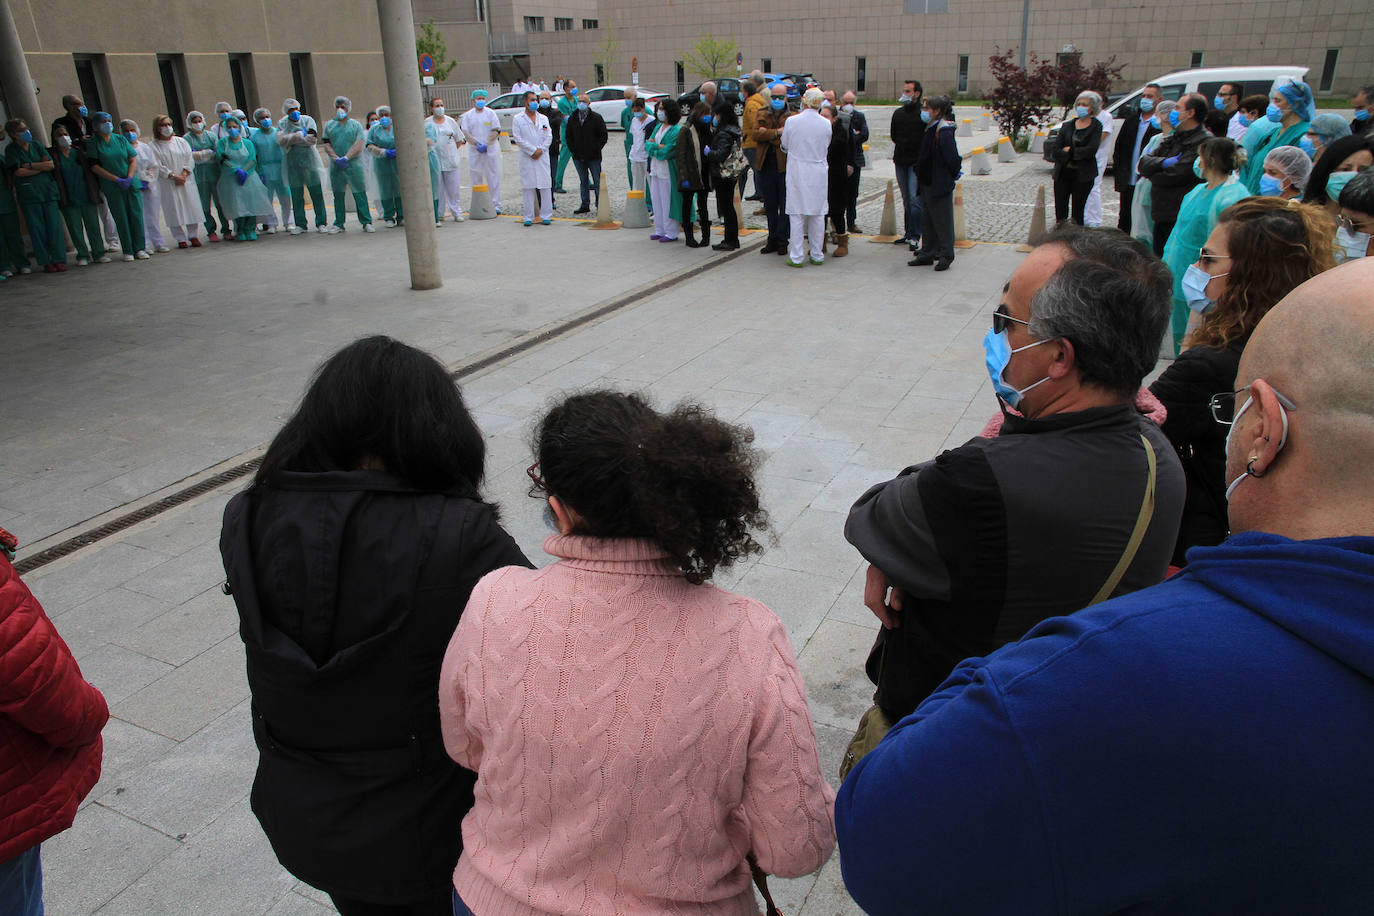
x,y
710,57
607,53
432,43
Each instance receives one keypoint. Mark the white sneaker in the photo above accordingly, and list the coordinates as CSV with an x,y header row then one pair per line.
x,y
367,227
82,262
162,248
142,255
272,230
458,218
129,257
439,225
26,270
322,229
330,230
389,223
6,273
295,230
103,259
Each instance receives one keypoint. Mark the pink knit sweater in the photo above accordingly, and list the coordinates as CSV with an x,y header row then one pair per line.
x,y
634,737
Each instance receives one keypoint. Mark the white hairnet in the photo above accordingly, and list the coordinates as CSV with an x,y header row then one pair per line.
x,y
342,101
193,114
289,104
1292,162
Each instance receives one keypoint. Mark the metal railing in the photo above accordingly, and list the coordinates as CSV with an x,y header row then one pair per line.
x,y
504,43
458,96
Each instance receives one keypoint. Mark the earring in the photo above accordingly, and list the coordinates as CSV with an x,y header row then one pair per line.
x,y
1250,467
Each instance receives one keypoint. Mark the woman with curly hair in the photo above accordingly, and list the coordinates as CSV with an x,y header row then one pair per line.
x,y
640,736
1261,249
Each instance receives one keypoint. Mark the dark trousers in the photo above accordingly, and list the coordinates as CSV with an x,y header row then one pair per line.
x,y
851,207
552,156
1070,192
589,177
1123,222
911,202
725,208
21,883
700,214
836,197
773,186
937,225
1162,231
440,904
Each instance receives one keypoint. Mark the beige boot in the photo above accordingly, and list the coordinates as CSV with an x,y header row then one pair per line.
x,y
841,245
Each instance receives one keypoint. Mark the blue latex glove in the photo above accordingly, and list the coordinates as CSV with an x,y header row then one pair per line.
x,y
686,185
391,154
1171,162
481,147
341,163
706,150
124,182
241,175
263,179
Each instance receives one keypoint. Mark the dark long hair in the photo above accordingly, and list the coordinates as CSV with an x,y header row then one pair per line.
x,y
683,479
378,398
1333,155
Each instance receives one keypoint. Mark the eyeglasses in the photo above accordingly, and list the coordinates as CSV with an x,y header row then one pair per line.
x,y
1223,404
1000,317
1349,225
1206,257
537,486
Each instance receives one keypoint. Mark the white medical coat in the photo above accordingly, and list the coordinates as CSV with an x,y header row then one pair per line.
x,y
806,138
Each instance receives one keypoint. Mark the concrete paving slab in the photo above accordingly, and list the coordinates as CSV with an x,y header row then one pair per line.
x,y
189,697
188,629
108,616
120,673
102,854
69,583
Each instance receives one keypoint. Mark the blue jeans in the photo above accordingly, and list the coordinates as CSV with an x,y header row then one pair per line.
x,y
592,168
459,907
21,885
911,202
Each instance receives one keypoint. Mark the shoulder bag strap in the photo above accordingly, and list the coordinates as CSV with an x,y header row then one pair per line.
x,y
1142,522
761,882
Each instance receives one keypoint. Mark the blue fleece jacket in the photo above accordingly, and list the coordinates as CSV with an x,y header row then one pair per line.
x,y
1203,746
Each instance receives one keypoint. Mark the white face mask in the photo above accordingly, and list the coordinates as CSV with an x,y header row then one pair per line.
x,y
1352,244
439,111
165,131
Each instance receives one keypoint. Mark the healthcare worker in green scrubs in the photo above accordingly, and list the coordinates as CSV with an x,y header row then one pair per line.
x,y
115,163
80,197
346,140
35,190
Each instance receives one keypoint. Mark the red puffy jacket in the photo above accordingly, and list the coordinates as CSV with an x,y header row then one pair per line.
x,y
50,722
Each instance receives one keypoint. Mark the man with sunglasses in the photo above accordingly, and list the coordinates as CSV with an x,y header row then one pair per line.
x,y
1076,500
1203,746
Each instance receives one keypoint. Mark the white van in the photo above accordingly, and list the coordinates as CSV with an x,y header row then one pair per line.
x,y
1173,86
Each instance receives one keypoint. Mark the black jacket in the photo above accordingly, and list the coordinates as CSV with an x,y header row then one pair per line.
x,y
725,139
858,130
1081,159
907,131
1359,128
839,156
938,166
1185,389
1168,186
692,140
1123,153
990,538
586,136
555,116
349,586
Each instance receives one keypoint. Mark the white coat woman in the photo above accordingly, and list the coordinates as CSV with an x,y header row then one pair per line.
x,y
806,139
533,137
176,183
148,194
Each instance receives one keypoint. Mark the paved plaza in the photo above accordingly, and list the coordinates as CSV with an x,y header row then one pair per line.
x,y
129,381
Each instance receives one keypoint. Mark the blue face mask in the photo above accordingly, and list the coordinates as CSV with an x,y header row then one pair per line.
x,y
581,106
1361,115
294,116
233,133
1155,122
265,123
777,104
1218,102
543,103
1273,113
105,127
1081,111
1270,186
480,103
27,136
131,135
573,90
1194,284
385,121
532,106
223,116
1243,121
1307,146
997,354
925,116
1147,104
706,119
1173,118
85,112
629,102
341,113
1197,167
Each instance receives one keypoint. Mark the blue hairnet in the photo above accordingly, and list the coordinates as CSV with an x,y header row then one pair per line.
x,y
1329,127
101,116
1299,96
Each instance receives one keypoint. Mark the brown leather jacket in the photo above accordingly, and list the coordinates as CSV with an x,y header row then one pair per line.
x,y
767,133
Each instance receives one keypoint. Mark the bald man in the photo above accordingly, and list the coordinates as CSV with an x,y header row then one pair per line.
x,y
1203,746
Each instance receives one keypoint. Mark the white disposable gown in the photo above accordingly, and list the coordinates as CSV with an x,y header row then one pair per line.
x,y
530,136
806,138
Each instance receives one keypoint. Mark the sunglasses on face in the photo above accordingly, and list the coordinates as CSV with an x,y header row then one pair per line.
x,y
1001,317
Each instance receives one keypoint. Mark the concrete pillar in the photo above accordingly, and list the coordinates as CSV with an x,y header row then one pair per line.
x,y
14,75
412,153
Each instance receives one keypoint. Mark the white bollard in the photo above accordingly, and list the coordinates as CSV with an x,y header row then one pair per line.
x,y
481,206
1005,151
965,128
1038,142
985,121
636,211
980,164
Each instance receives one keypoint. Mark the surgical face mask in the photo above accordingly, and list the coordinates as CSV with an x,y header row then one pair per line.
x,y
1336,182
265,123
85,112
64,141
581,106
385,121
372,124
480,103
543,103
27,136
1147,104
572,90
1273,113
1081,111
1307,146
1361,115
629,102
234,133
641,114
1194,283
294,116
1173,117
223,116
1243,121
106,128
341,113
1235,421
1218,102
1354,244
662,118
1155,122
777,104
997,353
165,130
906,99
197,126
1197,166
925,116
847,107
1270,186
438,111
706,119
532,106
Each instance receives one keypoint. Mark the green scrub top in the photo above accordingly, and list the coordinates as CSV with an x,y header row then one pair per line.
x,y
34,189
113,154
74,178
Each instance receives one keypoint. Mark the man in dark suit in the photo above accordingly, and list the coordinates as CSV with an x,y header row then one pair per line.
x,y
1130,140
857,124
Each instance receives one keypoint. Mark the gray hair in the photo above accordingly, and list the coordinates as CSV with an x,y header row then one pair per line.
x,y
708,86
1112,300
1094,101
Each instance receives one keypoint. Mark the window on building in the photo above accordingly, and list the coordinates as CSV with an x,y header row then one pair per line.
x,y
600,73
562,23
1065,57
172,69
303,82
860,73
961,85
1196,61
590,24
925,6
680,74
767,65
1329,70
93,78
534,23
245,82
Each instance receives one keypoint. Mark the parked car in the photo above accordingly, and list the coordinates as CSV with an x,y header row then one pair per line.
x,y
609,102
727,87
1252,80
507,106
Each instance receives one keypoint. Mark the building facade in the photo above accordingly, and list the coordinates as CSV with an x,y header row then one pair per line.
x,y
873,45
